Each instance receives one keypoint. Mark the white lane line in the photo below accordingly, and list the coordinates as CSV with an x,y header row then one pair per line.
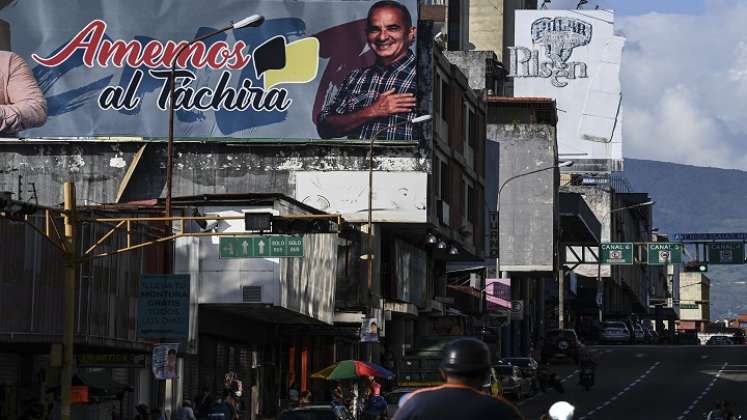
x,y
703,394
619,394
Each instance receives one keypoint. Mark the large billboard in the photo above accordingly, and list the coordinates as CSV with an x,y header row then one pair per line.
x,y
315,69
574,57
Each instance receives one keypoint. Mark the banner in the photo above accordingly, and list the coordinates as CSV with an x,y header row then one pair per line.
x,y
164,361
315,69
163,306
369,331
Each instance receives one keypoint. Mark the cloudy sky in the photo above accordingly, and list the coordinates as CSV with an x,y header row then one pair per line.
x,y
684,79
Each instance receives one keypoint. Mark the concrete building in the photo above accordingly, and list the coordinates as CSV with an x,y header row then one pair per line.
x,y
695,306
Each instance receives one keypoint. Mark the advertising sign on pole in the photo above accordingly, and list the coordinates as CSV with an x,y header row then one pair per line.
x,y
163,306
164,361
726,253
493,234
105,71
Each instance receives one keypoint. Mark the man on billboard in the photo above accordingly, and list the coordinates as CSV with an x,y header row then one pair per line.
x,y
372,100
22,103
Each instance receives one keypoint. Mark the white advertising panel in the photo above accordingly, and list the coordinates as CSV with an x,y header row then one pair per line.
x,y
573,57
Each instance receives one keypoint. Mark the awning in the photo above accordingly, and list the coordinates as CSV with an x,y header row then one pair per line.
x,y
578,224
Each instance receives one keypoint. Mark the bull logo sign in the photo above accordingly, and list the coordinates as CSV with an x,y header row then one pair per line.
x,y
558,37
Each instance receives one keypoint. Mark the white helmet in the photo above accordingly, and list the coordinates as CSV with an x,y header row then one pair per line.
x,y
561,410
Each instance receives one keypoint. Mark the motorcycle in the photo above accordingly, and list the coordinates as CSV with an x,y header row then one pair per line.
x,y
548,379
586,377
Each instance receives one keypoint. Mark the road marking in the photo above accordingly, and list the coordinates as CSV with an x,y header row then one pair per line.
x,y
619,394
703,394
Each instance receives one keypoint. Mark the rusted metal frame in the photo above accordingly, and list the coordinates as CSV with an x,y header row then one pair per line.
x,y
185,218
163,239
59,246
105,237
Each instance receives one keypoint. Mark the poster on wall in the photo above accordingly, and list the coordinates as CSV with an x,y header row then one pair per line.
x,y
164,361
314,69
573,57
369,330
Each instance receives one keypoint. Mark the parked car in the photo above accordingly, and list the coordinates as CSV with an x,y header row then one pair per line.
x,y
719,340
614,332
561,343
317,412
392,399
639,335
513,383
527,367
687,338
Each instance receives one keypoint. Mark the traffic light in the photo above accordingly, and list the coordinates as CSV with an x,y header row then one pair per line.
x,y
289,225
696,266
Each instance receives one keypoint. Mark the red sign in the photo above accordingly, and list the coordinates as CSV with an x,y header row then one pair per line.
x,y
79,394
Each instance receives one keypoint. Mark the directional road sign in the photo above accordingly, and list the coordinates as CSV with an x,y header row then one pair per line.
x,y
261,246
664,253
726,253
618,253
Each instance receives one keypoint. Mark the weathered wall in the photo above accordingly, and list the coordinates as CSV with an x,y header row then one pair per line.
x,y
99,168
527,203
486,25
598,199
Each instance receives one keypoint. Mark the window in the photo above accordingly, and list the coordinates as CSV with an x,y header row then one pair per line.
x,y
471,204
444,190
472,136
437,94
444,99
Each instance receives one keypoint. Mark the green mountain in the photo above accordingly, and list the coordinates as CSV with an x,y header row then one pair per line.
x,y
697,199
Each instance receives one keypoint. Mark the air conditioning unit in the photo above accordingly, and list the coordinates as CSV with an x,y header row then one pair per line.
x,y
442,208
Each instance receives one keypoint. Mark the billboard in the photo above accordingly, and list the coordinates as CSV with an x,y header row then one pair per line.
x,y
315,69
573,57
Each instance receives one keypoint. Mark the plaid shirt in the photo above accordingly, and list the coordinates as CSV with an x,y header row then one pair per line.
x,y
363,86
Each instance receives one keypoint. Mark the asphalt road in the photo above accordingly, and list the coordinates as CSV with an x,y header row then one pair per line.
x,y
652,383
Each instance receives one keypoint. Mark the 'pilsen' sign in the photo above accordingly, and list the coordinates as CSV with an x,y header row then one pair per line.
x,y
157,57
559,36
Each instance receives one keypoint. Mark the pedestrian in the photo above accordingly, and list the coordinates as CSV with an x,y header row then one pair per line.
x,y
22,103
227,409
185,412
465,368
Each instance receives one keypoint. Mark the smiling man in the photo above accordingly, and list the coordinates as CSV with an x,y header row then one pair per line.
x,y
373,99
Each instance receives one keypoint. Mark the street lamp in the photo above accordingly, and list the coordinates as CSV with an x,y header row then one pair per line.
x,y
251,21
647,203
565,164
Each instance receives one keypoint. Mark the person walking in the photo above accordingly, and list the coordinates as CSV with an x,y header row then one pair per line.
x,y
185,412
466,369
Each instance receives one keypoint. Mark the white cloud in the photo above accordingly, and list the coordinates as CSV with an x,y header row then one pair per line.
x,y
685,86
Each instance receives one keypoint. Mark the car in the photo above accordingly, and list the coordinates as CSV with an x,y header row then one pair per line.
x,y
317,412
719,340
393,397
527,367
513,383
639,334
561,343
614,332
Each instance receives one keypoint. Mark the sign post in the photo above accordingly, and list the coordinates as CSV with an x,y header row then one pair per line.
x,y
620,253
726,253
660,253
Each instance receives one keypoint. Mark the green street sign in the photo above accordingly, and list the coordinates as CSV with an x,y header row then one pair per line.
x,y
260,246
664,253
726,253
617,253
689,306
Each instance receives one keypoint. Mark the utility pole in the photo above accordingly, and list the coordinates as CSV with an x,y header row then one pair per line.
x,y
68,327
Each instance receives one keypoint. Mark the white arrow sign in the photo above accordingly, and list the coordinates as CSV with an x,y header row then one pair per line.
x,y
245,245
229,248
261,246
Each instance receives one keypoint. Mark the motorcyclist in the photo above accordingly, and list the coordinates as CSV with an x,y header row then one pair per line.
x,y
561,410
586,365
466,369
547,378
